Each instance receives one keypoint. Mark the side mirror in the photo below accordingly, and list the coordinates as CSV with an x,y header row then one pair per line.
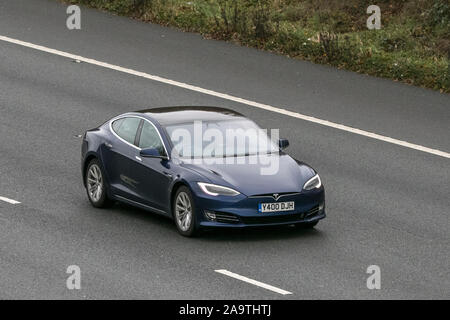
x,y
283,143
152,153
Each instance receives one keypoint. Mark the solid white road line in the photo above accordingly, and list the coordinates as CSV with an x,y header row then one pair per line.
x,y
9,200
230,98
254,282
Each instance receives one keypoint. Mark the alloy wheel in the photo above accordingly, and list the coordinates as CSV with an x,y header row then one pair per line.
x,y
183,211
95,183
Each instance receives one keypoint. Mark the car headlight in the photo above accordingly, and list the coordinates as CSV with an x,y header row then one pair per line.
x,y
215,190
313,183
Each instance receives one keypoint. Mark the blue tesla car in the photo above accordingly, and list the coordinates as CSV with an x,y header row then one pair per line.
x,y
203,167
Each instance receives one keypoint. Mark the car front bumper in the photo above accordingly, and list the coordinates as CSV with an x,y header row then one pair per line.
x,y
242,211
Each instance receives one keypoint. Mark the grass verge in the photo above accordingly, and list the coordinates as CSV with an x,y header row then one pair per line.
x,y
413,45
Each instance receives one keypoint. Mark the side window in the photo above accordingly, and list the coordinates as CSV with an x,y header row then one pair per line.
x,y
126,128
150,138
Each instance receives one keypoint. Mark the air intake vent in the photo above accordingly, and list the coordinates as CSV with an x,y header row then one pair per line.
x,y
226,217
312,212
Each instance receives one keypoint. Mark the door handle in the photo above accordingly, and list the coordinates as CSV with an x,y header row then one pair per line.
x,y
108,145
138,158
168,174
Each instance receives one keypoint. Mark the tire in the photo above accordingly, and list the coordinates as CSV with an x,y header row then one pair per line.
x,y
307,225
183,209
95,178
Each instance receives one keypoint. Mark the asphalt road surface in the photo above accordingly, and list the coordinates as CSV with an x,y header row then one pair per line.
x,y
387,205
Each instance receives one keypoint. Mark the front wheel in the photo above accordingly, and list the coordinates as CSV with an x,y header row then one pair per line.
x,y
95,185
184,212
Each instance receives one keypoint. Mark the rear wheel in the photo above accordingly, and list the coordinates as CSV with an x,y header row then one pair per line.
x,y
95,185
184,212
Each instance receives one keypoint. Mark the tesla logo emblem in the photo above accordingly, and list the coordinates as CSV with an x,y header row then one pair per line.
x,y
276,196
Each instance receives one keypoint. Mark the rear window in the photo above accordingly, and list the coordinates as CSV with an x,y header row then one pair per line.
x,y
126,128
116,125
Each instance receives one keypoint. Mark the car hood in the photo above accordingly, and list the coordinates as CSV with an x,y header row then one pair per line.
x,y
281,174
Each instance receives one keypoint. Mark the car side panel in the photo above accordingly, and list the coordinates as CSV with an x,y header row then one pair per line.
x,y
118,159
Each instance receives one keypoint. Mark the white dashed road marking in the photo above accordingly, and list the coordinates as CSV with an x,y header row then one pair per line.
x,y
11,201
254,282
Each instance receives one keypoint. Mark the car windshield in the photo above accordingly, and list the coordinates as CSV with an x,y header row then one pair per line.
x,y
225,138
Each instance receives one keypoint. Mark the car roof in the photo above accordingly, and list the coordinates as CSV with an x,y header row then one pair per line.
x,y
183,114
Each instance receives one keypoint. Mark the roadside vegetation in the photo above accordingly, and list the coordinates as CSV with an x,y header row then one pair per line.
x,y
413,45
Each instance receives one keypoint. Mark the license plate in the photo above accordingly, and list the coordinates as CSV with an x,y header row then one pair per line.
x,y
276,206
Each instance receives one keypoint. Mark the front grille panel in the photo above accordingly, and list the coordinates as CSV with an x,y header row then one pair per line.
x,y
271,195
294,217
